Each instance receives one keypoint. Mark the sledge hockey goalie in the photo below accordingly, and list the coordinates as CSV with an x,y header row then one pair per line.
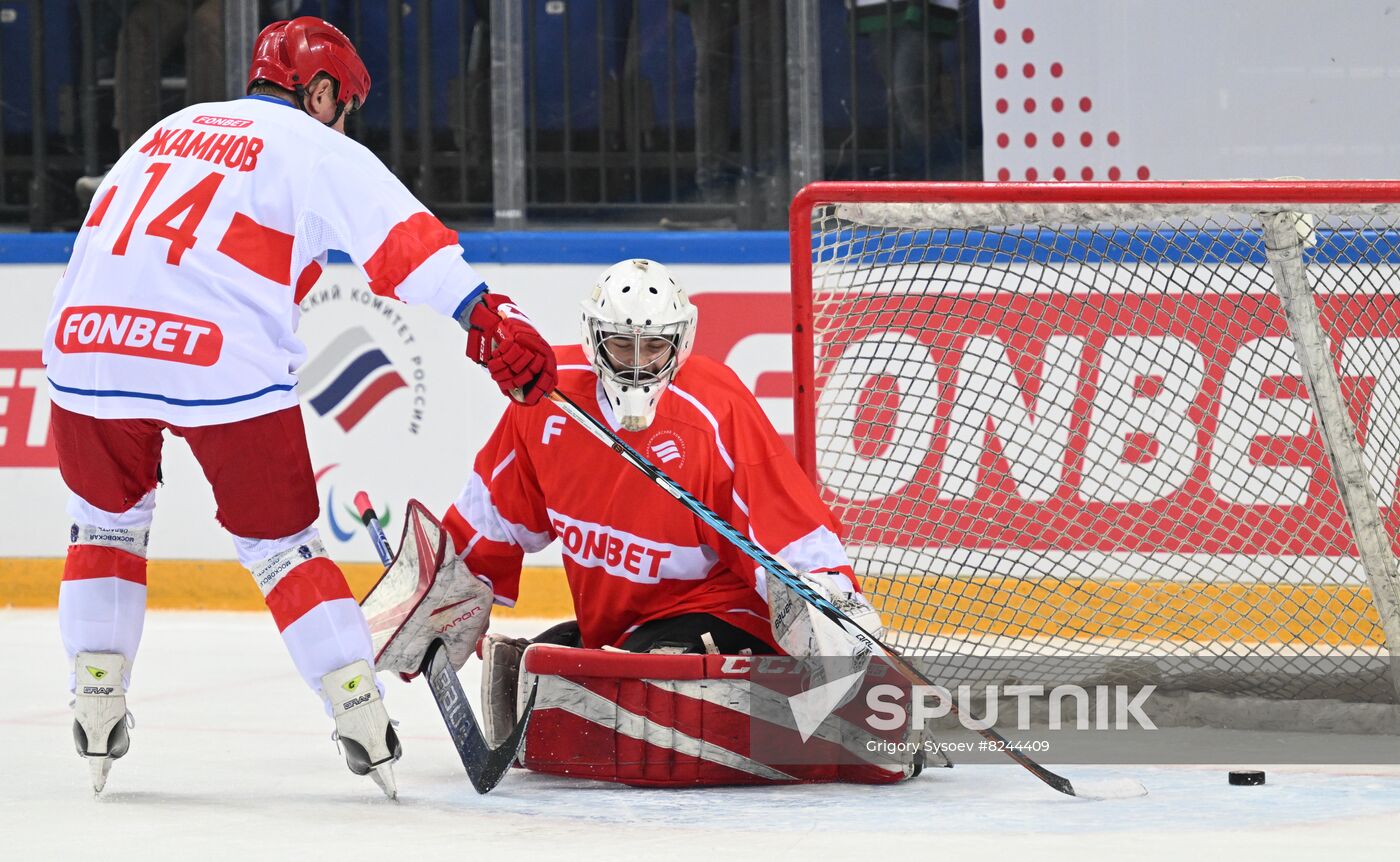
x,y
653,683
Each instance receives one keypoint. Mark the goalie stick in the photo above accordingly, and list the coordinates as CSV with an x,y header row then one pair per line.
x,y
790,579
485,766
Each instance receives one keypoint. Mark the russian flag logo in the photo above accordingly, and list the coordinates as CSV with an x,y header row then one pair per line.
x,y
349,378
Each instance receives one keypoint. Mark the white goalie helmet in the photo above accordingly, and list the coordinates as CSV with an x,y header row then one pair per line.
x,y
638,329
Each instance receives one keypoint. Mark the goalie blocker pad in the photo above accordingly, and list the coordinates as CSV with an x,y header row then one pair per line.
x,y
689,720
426,594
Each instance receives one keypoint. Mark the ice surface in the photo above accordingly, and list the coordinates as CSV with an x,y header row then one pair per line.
x,y
231,758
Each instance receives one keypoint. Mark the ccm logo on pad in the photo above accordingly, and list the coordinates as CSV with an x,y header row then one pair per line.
x,y
139,332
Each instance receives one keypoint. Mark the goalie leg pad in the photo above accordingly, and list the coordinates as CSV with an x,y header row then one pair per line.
x,y
500,676
677,721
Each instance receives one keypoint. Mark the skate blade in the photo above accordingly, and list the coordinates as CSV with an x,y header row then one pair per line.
x,y
384,776
98,767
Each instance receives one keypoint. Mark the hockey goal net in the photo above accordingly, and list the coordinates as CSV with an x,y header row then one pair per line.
x,y
1157,422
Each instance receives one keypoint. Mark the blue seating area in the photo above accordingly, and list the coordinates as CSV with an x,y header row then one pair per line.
x,y
666,61
61,53
609,115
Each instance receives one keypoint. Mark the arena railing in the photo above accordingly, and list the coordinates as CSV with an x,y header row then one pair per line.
x,y
631,112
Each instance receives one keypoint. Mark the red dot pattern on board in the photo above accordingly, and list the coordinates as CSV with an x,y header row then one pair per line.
x,y
1113,139
1057,104
1115,174
1143,173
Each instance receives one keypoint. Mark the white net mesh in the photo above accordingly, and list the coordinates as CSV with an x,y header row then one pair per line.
x,y
1094,440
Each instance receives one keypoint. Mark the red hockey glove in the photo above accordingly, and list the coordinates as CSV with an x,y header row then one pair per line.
x,y
501,338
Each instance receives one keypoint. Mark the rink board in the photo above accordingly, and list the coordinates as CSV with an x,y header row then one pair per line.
x,y
219,585
932,606
416,441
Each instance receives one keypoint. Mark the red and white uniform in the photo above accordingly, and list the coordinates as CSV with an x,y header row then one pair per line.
x,y
180,300
178,312
631,553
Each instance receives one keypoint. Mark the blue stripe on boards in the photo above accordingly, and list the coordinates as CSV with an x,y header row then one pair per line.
x,y
546,246
854,245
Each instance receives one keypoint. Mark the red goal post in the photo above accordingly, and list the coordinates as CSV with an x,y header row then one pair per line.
x,y
1104,419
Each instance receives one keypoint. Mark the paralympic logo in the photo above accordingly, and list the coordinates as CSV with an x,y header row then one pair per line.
x,y
346,534
349,378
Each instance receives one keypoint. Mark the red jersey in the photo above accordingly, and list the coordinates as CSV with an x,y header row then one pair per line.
x,y
632,554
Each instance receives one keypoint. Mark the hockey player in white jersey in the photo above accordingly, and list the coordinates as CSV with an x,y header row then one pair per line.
x,y
177,312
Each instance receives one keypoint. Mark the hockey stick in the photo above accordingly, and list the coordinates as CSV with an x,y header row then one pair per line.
x,y
485,766
790,579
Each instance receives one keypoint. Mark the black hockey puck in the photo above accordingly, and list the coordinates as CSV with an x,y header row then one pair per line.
x,y
1246,777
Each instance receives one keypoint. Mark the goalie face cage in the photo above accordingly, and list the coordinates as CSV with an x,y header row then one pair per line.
x,y
1105,424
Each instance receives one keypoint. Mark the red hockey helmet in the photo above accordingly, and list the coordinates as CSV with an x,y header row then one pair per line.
x,y
291,53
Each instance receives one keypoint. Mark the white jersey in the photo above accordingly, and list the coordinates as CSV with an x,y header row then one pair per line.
x,y
180,300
